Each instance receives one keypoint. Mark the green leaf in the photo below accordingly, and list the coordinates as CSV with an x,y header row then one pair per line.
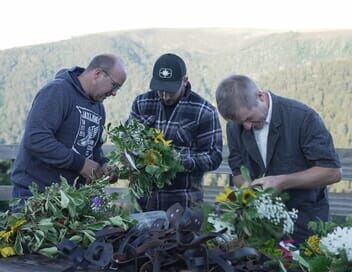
x,y
282,267
118,221
46,222
131,161
49,252
296,256
18,244
245,174
64,200
152,169
96,227
89,234
319,264
52,237
76,238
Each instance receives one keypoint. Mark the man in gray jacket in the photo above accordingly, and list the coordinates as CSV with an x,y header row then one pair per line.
x,y
64,126
283,143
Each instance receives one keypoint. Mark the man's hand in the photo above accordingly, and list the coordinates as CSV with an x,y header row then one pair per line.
x,y
269,182
108,170
103,170
89,170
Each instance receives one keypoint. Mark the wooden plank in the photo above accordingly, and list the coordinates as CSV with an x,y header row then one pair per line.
x,y
346,161
8,152
339,207
5,192
340,204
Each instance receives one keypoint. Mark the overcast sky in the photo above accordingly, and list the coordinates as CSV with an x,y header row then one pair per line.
x,y
26,22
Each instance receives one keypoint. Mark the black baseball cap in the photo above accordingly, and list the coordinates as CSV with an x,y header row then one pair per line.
x,y
168,73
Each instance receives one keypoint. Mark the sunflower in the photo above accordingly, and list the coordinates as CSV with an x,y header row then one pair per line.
x,y
228,195
152,157
161,138
247,195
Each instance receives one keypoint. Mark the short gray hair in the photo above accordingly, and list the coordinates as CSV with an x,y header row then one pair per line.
x,y
104,61
233,93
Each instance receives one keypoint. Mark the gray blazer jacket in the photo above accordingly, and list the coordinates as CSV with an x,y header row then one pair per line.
x,y
297,140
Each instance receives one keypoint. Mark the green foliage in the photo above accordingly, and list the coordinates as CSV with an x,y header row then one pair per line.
x,y
322,228
144,157
329,249
259,216
60,212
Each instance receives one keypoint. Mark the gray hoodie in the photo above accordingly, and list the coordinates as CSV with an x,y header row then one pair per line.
x,y
64,126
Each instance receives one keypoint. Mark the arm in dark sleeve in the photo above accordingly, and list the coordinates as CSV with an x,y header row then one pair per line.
x,y
45,117
317,143
208,154
234,159
99,155
137,112
134,114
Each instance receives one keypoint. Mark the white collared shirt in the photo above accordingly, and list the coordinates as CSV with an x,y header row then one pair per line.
x,y
261,135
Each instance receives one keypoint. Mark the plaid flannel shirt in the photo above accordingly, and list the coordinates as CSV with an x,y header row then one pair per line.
x,y
195,131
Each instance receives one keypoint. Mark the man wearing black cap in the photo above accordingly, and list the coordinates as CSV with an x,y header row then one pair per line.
x,y
187,119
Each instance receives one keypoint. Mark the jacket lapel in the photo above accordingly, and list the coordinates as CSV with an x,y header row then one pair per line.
x,y
274,134
252,148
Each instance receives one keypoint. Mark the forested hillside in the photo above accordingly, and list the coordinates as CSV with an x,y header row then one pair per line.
x,y
313,67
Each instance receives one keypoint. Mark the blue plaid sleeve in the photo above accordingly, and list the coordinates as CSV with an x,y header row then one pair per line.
x,y
207,155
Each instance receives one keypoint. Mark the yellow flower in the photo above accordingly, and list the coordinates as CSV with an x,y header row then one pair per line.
x,y
247,194
6,235
160,138
314,247
18,224
228,195
7,251
151,157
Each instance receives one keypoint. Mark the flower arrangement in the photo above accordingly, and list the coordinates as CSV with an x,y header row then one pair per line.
x,y
257,215
329,249
144,157
338,243
60,212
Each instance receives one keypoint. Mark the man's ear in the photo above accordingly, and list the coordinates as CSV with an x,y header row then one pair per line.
x,y
261,95
185,81
97,72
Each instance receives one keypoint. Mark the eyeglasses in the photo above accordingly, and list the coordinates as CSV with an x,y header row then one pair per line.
x,y
115,85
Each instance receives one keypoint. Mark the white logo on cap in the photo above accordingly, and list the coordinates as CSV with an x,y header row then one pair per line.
x,y
165,72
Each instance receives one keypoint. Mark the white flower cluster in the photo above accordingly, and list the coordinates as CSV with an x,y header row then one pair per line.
x,y
218,224
338,241
276,212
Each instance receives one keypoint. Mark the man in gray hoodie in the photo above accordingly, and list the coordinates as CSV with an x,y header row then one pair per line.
x,y
63,133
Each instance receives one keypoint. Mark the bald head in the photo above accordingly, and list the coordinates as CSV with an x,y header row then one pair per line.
x,y
104,76
105,62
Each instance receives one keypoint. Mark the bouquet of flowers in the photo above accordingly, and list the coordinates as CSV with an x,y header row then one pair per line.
x,y
61,212
259,217
144,157
329,249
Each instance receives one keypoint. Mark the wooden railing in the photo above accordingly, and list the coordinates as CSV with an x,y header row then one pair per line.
x,y
341,203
